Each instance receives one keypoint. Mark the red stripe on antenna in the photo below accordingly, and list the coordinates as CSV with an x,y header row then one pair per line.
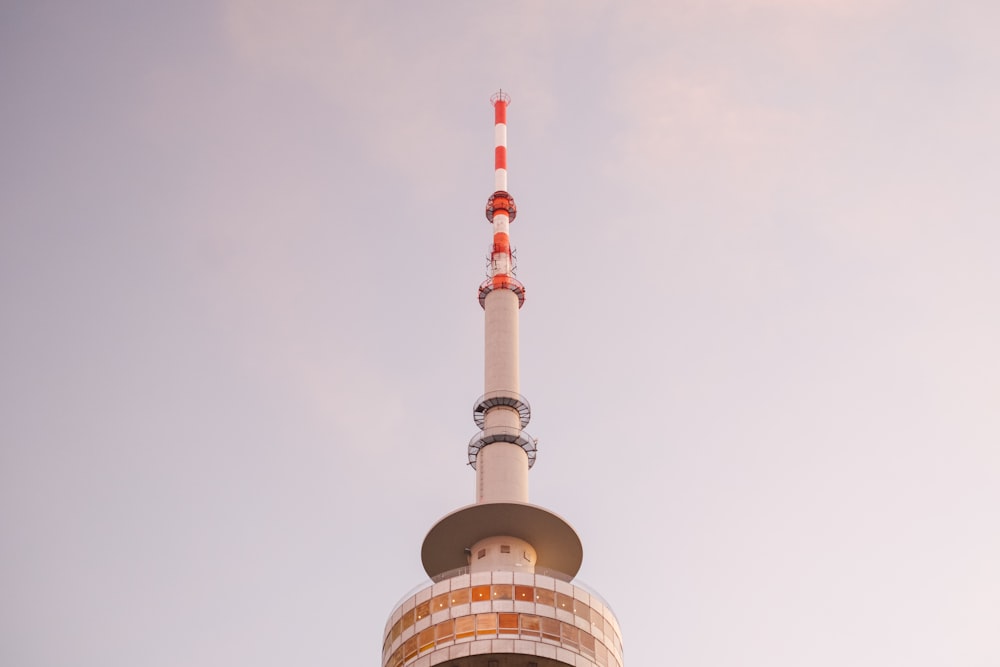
x,y
500,157
501,243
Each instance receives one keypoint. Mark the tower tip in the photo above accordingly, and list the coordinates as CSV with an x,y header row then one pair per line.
x,y
500,96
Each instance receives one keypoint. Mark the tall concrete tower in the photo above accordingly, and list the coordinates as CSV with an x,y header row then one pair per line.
x,y
501,590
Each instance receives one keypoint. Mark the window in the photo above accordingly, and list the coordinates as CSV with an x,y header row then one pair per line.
x,y
410,648
503,591
570,635
596,620
550,628
602,655
465,626
505,548
530,625
461,596
481,554
444,631
425,639
486,624
508,624
545,596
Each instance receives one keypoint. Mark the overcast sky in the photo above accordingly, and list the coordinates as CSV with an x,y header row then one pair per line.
x,y
239,337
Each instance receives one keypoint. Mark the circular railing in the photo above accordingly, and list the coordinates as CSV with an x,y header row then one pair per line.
x,y
509,434
501,282
502,397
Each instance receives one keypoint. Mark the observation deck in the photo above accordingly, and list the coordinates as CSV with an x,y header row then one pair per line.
x,y
503,619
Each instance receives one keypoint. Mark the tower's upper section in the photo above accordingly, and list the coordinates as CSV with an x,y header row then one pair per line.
x,y
502,592
501,453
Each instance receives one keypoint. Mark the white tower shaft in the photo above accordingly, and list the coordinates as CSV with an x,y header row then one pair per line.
x,y
502,466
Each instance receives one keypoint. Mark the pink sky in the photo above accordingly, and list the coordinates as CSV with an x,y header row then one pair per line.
x,y
239,249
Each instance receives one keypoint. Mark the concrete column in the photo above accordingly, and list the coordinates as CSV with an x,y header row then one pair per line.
x,y
502,467
502,416
501,308
502,474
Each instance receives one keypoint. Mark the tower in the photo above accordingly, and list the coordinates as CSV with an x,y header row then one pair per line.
x,y
501,590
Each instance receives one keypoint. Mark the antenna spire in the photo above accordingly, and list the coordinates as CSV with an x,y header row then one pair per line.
x,y
500,210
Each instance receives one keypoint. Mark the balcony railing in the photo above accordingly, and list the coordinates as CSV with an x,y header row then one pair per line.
x,y
459,571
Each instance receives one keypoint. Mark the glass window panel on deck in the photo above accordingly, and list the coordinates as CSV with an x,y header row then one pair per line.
x,y
397,629
423,610
407,619
465,626
582,610
425,639
524,593
596,620
444,631
570,635
564,601
503,591
461,596
397,657
439,602
587,643
480,593
410,648
602,655
545,596
486,624
508,624
530,625
550,628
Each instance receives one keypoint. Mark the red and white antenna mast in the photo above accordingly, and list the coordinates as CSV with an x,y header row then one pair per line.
x,y
500,210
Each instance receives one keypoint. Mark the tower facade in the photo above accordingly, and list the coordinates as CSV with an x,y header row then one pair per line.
x,y
501,590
